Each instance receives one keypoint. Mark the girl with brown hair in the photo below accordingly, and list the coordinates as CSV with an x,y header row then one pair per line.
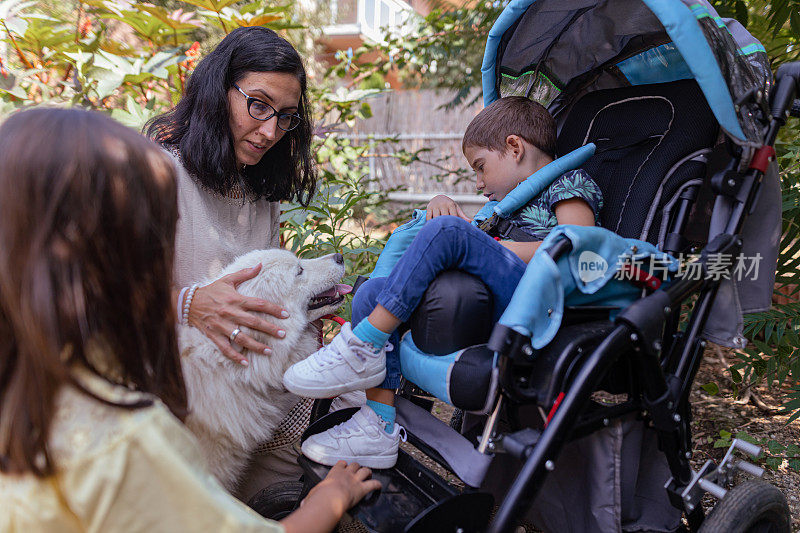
x,y
91,390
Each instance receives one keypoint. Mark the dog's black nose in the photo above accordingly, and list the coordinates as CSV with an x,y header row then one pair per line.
x,y
339,258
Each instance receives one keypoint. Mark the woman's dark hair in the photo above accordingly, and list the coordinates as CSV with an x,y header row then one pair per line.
x,y
87,234
199,125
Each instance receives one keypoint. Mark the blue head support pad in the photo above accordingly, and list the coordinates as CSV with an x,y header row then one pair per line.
x,y
541,179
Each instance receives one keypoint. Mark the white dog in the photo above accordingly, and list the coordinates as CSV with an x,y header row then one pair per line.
x,y
234,408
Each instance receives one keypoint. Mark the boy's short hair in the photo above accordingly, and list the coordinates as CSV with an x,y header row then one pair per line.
x,y
512,115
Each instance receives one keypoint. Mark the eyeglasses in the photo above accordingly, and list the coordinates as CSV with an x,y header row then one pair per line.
x,y
260,110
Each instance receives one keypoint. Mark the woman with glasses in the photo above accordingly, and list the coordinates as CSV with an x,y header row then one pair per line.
x,y
241,134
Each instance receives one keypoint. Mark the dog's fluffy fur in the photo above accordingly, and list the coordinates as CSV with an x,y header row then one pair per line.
x,y
234,408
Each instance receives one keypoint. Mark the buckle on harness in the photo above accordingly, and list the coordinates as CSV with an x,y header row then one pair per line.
x,y
487,225
495,226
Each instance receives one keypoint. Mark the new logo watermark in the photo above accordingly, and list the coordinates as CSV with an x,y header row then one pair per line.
x,y
591,266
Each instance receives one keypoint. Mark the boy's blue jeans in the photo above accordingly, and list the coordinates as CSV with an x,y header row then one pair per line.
x,y
444,243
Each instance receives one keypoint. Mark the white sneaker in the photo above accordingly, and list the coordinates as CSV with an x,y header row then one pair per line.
x,y
344,365
361,439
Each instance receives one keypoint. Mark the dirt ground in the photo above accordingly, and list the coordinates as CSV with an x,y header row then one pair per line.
x,y
722,412
711,415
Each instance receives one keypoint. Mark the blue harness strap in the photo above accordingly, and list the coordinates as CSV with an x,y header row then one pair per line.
x,y
541,179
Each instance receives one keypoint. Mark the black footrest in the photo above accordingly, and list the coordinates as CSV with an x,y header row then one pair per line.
x,y
413,499
408,491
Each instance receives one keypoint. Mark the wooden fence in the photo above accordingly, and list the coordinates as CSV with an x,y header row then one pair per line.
x,y
418,120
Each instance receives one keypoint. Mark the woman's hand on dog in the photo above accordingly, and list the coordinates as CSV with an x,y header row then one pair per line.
x,y
218,309
444,205
343,487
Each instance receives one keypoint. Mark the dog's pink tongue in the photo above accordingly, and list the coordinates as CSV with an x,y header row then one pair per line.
x,y
341,288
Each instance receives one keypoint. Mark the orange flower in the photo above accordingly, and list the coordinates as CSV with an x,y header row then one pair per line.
x,y
192,55
85,27
194,51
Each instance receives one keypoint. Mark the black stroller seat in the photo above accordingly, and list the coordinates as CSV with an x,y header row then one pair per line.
x,y
652,144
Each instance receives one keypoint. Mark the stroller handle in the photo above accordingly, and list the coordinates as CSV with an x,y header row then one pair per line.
x,y
787,81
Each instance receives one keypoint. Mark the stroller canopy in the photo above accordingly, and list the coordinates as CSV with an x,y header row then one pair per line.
x,y
554,51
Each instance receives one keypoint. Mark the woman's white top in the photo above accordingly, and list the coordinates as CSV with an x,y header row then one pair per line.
x,y
213,230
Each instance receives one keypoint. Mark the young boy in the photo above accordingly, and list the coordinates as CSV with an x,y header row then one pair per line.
x,y
506,142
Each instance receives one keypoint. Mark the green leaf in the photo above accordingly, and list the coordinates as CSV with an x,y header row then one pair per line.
x,y
158,63
118,64
211,5
794,21
108,81
742,14
743,435
342,95
171,19
134,115
711,388
366,110
775,447
16,91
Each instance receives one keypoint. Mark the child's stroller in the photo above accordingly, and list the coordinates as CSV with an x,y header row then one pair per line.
x,y
588,429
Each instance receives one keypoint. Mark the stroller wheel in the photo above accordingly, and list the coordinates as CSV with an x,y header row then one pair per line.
x,y
277,500
754,506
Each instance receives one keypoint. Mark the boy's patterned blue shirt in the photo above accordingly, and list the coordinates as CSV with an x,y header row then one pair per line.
x,y
538,217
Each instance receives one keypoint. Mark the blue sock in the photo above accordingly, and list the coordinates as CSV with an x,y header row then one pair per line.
x,y
385,412
369,333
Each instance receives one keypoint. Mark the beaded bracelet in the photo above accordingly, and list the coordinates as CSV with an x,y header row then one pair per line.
x,y
179,308
187,304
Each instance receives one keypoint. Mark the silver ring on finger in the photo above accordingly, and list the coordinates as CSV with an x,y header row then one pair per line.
x,y
234,333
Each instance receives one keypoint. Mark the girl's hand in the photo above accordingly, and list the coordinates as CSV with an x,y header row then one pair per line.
x,y
351,482
443,205
218,309
343,487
